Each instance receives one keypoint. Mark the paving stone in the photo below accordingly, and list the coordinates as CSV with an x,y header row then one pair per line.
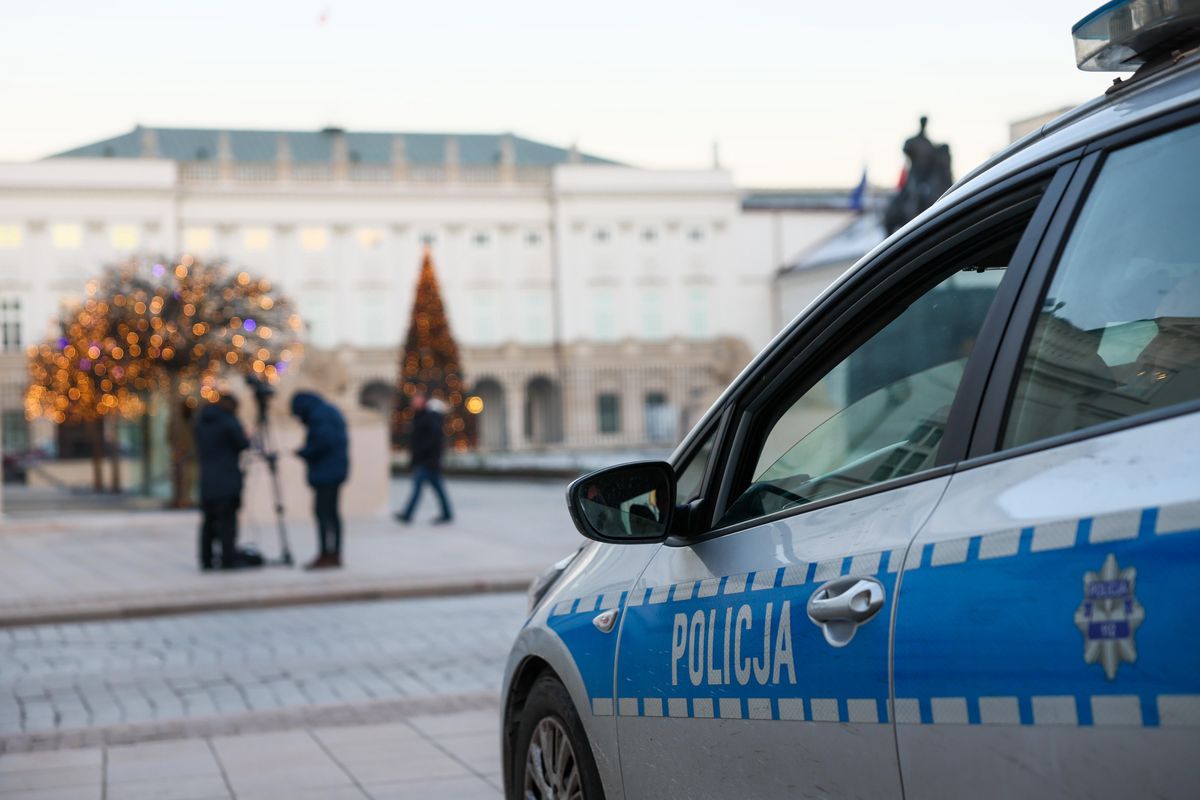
x,y
472,788
389,768
49,778
439,725
150,761
325,793
169,788
57,793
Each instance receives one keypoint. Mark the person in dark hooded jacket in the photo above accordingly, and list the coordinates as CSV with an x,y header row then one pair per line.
x,y
220,440
326,452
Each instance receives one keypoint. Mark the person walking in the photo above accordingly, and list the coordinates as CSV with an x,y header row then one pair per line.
x,y
219,440
326,453
427,442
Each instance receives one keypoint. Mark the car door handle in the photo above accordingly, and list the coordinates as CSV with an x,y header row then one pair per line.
x,y
841,605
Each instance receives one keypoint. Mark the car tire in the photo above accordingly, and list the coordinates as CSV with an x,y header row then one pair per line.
x,y
552,757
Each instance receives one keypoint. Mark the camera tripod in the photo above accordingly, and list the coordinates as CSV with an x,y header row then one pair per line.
x,y
264,447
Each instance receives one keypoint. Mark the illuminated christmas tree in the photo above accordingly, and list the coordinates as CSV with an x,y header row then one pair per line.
x,y
429,364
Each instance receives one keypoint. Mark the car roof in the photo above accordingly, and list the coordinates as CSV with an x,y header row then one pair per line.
x,y
1134,102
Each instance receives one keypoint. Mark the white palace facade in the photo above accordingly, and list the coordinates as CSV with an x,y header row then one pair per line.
x,y
596,304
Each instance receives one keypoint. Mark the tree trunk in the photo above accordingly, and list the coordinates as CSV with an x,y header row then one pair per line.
x,y
146,474
174,435
115,457
96,432
178,434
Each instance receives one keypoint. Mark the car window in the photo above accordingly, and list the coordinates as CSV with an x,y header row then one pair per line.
x,y
1119,330
881,411
688,485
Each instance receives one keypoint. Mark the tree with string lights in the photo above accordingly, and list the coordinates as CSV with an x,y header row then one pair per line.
x,y
193,321
87,376
429,364
181,324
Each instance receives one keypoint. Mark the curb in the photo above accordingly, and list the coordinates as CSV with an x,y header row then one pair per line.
x,y
132,609
372,712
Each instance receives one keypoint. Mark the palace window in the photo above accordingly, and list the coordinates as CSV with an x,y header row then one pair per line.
x,y
10,236
484,315
537,317
256,238
16,431
10,324
373,306
608,413
197,240
124,237
66,236
698,323
660,419
370,238
314,238
652,314
317,312
605,314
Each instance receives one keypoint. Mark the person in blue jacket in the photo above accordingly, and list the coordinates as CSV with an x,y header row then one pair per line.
x,y
220,440
326,452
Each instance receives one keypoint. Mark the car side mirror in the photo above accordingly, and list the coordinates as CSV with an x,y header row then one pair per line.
x,y
626,504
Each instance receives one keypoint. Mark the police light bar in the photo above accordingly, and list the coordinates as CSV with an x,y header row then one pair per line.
x,y
1123,35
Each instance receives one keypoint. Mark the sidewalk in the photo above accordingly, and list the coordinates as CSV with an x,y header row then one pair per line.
x,y
448,755
74,566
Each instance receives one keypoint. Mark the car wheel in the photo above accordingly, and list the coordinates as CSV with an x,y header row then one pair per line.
x,y
554,761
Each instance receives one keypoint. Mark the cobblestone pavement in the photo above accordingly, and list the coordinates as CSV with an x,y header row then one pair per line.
x,y
122,674
453,755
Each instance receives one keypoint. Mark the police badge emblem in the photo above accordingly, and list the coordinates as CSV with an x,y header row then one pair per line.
x,y
1109,616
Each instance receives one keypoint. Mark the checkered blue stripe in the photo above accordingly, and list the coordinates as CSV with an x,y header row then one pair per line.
x,y
1167,710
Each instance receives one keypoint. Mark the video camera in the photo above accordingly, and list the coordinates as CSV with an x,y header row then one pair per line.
x,y
263,392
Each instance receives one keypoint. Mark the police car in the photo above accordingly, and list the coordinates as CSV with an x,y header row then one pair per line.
x,y
942,537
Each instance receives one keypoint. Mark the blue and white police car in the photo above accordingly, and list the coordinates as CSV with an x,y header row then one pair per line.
x,y
942,537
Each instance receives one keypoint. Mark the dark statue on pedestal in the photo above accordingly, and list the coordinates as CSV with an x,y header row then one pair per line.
x,y
928,178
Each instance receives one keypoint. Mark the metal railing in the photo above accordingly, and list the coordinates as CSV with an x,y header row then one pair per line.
x,y
257,172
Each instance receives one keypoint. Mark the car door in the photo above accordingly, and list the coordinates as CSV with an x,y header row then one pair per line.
x,y
1046,641
753,656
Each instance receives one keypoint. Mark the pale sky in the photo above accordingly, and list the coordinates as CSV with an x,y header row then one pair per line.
x,y
797,93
